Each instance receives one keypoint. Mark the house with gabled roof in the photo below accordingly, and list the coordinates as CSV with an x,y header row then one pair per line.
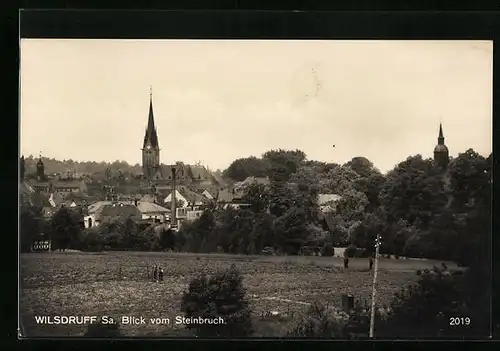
x,y
103,211
327,202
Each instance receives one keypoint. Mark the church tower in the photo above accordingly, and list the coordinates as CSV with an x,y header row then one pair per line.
x,y
441,154
151,148
40,169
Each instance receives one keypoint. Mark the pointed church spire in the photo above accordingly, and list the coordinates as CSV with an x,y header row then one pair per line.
x,y
440,137
151,137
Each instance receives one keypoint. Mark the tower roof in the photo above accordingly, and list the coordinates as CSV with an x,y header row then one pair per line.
x,y
440,147
441,136
151,135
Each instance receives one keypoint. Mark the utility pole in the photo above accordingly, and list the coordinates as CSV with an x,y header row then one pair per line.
x,y
374,286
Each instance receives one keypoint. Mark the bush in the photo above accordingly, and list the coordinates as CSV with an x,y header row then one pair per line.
x,y
328,250
358,322
350,251
320,321
100,330
361,253
92,240
221,295
437,296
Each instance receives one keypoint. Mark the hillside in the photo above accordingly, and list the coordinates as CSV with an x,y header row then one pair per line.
x,y
56,166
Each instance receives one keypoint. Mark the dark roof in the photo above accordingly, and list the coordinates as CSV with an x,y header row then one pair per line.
x,y
181,169
189,195
40,200
151,135
149,207
219,179
147,198
48,211
225,195
76,196
26,189
36,183
331,221
441,148
67,184
110,210
199,172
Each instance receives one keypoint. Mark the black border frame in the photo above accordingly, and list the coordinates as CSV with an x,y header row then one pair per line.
x,y
242,24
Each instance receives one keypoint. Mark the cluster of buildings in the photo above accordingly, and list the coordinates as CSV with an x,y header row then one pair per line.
x,y
169,194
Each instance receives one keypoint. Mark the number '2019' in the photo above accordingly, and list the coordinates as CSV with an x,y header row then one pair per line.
x,y
457,321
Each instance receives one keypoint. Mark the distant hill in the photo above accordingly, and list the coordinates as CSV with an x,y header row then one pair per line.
x,y
56,166
96,170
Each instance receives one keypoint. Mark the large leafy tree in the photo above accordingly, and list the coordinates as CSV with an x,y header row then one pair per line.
x,y
337,180
413,191
283,163
243,168
257,195
65,229
306,175
370,186
362,166
31,223
221,295
469,175
291,229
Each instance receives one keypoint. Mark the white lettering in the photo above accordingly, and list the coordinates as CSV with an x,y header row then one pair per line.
x,y
160,321
198,320
79,320
133,320
107,320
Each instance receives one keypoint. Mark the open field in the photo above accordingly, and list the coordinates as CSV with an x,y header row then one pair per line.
x,y
116,284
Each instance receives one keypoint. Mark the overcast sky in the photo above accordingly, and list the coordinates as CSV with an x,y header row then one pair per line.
x,y
215,101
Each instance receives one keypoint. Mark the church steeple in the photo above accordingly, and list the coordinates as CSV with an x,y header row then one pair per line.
x,y
151,137
40,168
150,148
440,137
441,153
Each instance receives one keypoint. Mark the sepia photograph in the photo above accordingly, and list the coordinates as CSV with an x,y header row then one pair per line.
x,y
336,189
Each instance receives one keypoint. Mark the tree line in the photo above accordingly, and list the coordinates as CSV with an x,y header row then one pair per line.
x,y
420,210
417,208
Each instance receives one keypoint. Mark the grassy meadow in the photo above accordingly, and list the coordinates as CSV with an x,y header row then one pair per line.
x,y
118,284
